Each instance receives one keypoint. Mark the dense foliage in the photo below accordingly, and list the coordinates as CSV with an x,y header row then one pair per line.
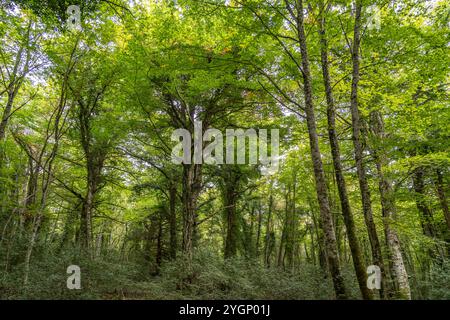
x,y
357,89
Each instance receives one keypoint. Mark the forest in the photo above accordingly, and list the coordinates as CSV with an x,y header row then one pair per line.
x,y
116,117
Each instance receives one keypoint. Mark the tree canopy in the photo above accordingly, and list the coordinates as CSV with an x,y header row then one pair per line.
x,y
357,90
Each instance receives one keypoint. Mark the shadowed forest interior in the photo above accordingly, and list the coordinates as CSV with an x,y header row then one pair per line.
x,y
91,93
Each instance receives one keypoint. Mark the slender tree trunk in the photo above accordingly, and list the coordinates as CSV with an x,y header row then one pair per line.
x,y
284,232
95,154
426,217
258,232
442,196
38,219
158,258
251,234
291,233
31,245
310,257
321,187
47,177
6,115
361,171
398,269
30,200
99,243
267,244
173,220
317,227
358,261
14,85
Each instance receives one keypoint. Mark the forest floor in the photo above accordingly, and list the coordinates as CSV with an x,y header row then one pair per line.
x,y
207,277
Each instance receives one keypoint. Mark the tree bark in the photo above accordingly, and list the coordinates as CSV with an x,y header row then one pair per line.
x,y
358,262
321,187
442,196
232,226
268,238
14,85
258,232
86,214
6,114
159,247
191,191
291,231
284,232
426,217
173,220
361,171
397,265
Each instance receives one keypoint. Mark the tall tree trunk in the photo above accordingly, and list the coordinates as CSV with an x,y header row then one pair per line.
x,y
173,220
268,238
321,187
398,269
284,232
86,217
6,114
426,218
99,242
361,171
14,85
159,248
95,155
33,238
94,166
258,232
291,235
251,242
317,227
191,191
232,223
442,196
30,200
358,261
46,181
231,177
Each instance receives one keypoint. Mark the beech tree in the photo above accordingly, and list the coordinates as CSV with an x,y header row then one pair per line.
x,y
347,99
